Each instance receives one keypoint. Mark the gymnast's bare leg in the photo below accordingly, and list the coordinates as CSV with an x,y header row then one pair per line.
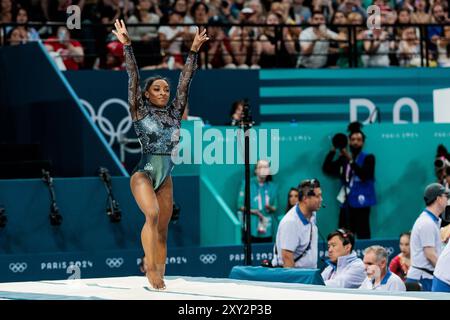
x,y
142,189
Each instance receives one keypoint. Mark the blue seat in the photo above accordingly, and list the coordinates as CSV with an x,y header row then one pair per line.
x,y
288,275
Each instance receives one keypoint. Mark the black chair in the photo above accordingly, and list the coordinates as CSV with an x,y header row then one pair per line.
x,y
413,286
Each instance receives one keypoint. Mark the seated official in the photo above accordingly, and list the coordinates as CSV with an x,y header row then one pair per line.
x,y
297,240
345,269
379,277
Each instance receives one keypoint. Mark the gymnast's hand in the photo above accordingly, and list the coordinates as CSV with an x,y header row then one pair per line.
x,y
121,32
199,39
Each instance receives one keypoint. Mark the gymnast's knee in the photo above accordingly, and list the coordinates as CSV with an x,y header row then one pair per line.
x,y
162,235
152,216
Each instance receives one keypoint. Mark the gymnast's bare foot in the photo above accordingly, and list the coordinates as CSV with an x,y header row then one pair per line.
x,y
155,280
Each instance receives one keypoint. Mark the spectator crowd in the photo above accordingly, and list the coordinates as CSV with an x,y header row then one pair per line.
x,y
245,34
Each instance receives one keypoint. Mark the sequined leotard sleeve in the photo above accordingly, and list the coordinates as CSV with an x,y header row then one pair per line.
x,y
180,101
138,109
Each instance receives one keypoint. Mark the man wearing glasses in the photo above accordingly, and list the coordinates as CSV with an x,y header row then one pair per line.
x,y
425,241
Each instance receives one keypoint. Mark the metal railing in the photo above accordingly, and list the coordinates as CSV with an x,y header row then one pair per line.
x,y
94,38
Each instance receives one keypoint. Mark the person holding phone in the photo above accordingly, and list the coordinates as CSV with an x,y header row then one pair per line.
x,y
315,42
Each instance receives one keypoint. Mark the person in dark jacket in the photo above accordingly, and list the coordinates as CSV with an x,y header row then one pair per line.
x,y
356,170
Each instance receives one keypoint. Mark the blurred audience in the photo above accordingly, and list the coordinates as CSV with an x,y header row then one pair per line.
x,y
299,12
181,6
220,52
376,48
356,19
275,46
171,39
420,14
236,113
114,59
69,50
443,45
246,46
22,19
349,6
336,47
401,262
315,41
409,48
244,41
292,199
16,36
143,15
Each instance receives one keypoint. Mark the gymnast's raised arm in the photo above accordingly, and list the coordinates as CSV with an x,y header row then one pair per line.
x,y
137,107
188,71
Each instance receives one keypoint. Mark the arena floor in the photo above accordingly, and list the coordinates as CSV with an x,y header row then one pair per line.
x,y
189,288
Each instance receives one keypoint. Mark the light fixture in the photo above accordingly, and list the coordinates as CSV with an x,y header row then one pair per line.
x,y
112,210
54,216
3,218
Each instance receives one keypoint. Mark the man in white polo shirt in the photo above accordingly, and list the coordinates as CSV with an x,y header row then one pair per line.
x,y
379,277
296,242
425,240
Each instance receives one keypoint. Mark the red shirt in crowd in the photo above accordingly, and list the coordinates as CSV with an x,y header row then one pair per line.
x,y
399,267
66,56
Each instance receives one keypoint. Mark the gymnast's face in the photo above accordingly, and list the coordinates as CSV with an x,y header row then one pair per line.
x,y
158,93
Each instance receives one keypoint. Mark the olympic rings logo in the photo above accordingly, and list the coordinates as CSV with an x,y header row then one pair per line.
x,y
114,262
208,258
105,125
18,267
389,251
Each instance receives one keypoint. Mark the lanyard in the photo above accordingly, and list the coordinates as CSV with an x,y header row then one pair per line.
x,y
266,197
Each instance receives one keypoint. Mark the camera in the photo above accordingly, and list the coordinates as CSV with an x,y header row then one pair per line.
x,y
441,162
446,214
339,141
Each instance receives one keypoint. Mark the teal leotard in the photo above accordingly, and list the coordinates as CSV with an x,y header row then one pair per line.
x,y
157,128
